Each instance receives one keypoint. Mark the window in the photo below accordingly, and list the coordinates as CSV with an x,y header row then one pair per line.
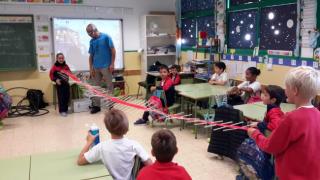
x,y
242,29
279,29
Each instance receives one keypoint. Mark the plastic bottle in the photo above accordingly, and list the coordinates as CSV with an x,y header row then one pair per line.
x,y
94,130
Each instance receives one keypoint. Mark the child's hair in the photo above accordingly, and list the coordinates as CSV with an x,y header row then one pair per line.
x,y
276,92
164,67
164,145
116,122
254,71
305,79
58,54
221,65
175,66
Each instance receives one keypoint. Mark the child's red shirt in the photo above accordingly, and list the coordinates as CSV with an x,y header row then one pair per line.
x,y
295,145
163,171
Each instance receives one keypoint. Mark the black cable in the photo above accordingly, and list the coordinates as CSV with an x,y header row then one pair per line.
x,y
25,110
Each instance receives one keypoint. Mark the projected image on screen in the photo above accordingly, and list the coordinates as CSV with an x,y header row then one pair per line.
x,y
71,38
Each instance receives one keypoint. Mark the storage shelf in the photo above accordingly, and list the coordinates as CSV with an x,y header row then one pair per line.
x,y
163,36
169,54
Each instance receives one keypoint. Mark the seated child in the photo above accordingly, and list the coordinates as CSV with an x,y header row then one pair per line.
x,y
250,156
118,153
167,86
220,77
295,143
62,83
174,74
248,91
164,148
272,96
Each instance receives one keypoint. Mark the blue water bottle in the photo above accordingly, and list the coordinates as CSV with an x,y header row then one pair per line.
x,y
94,130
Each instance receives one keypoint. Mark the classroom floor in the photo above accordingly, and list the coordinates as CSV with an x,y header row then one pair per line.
x,y
31,135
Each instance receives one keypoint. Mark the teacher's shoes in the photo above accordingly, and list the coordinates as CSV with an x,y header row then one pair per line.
x,y
64,114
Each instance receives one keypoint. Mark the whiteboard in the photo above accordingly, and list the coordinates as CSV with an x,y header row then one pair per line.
x,y
71,38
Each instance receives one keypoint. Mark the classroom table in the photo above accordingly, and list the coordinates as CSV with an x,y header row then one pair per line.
x,y
157,74
63,166
15,169
257,111
51,166
197,92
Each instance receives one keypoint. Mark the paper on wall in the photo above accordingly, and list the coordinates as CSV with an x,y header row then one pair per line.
x,y
190,55
231,69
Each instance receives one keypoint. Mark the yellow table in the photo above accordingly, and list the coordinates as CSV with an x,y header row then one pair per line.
x,y
62,166
15,169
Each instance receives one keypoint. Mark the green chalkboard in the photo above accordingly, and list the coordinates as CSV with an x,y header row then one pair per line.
x,y
17,43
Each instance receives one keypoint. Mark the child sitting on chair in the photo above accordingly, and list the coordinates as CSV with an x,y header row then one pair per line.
x,y
118,153
164,148
62,83
220,77
272,96
174,74
167,86
248,91
295,143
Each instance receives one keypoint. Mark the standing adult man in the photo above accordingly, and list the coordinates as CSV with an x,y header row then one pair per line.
x,y
101,61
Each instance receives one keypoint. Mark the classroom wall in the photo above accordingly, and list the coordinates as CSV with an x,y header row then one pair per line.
x,y
36,80
128,10
275,76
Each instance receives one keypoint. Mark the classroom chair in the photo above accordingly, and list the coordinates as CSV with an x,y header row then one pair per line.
x,y
141,84
226,143
171,109
138,165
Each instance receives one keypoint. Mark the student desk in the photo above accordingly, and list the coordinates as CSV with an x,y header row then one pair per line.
x,y
257,111
197,92
51,166
63,166
182,74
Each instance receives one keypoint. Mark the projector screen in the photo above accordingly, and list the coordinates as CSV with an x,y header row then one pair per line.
x,y
71,38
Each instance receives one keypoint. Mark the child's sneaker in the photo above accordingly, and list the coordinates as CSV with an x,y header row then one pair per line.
x,y
140,122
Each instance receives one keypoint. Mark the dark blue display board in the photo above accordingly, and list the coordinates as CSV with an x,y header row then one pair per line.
x,y
242,29
278,27
206,24
205,4
188,6
189,32
237,2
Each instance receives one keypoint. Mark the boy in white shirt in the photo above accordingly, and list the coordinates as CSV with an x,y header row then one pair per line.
x,y
220,77
117,153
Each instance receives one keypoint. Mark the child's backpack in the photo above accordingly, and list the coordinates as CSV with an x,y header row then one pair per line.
x,y
157,102
5,103
254,163
35,98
